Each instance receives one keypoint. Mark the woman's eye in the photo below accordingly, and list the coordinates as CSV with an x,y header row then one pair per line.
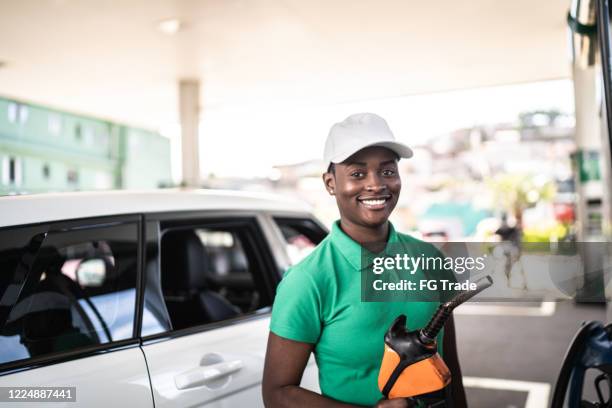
x,y
388,173
357,174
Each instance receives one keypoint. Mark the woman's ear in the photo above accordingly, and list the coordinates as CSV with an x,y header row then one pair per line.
x,y
330,183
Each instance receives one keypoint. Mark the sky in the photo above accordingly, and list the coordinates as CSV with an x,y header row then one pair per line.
x,y
248,142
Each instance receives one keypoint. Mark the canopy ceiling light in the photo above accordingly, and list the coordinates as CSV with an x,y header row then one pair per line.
x,y
170,26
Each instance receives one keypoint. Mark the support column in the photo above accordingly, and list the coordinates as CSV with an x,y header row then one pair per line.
x,y
189,107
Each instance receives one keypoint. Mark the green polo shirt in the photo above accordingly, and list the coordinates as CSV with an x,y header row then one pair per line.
x,y
318,301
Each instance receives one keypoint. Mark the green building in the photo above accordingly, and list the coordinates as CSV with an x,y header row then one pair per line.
x,y
43,150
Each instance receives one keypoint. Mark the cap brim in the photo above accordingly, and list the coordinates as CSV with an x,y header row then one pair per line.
x,y
403,151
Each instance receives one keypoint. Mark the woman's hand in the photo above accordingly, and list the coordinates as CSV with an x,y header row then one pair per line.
x,y
394,403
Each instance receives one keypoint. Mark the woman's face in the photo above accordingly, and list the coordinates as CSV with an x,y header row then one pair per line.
x,y
366,186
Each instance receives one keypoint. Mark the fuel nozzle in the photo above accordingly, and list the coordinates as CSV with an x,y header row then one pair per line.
x,y
429,333
411,365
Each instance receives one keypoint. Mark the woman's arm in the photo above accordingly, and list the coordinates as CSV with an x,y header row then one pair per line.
x,y
284,366
449,345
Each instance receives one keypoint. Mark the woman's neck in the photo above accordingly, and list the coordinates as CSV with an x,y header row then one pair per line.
x,y
372,238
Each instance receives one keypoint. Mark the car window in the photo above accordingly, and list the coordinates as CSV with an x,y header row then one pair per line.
x,y
66,289
301,236
211,274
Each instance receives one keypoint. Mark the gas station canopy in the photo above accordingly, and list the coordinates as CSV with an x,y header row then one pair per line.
x,y
123,59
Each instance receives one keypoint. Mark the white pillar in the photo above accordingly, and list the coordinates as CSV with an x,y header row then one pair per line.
x,y
189,107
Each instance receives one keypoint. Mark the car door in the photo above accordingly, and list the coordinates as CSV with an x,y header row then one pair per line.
x,y
216,279
68,312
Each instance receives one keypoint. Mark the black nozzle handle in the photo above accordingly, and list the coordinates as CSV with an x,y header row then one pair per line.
x,y
481,284
429,333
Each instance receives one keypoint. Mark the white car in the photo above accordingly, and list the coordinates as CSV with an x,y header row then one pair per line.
x,y
144,299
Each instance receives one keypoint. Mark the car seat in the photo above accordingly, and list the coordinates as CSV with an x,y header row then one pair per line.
x,y
184,268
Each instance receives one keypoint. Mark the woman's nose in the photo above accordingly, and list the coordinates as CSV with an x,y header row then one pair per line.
x,y
375,183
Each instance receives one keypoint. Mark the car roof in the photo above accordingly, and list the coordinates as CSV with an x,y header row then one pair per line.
x,y
37,208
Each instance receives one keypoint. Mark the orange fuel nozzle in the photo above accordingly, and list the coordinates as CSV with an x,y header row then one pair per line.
x,y
411,365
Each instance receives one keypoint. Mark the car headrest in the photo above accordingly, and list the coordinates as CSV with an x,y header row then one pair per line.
x,y
184,261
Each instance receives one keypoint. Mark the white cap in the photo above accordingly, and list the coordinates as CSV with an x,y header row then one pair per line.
x,y
357,132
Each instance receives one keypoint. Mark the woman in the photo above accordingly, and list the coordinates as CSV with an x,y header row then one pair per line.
x,y
318,306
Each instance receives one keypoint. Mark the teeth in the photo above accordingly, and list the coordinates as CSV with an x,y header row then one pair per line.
x,y
373,202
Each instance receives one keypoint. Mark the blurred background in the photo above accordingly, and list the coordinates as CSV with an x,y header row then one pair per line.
x,y
136,95
503,103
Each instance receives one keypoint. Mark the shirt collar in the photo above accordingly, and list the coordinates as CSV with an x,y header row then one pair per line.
x,y
352,251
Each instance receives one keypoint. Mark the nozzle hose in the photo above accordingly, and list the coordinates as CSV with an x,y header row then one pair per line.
x,y
429,333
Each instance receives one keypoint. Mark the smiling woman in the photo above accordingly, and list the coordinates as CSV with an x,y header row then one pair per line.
x,y
318,307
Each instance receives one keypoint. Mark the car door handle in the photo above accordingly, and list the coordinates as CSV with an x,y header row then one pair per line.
x,y
201,375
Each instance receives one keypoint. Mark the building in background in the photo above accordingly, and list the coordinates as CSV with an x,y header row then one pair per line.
x,y
44,150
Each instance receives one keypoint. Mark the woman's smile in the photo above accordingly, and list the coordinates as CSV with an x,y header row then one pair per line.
x,y
375,203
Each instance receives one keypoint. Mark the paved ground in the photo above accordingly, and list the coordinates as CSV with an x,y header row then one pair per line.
x,y
509,357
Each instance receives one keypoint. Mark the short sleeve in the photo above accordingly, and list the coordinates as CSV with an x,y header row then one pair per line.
x,y
296,311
